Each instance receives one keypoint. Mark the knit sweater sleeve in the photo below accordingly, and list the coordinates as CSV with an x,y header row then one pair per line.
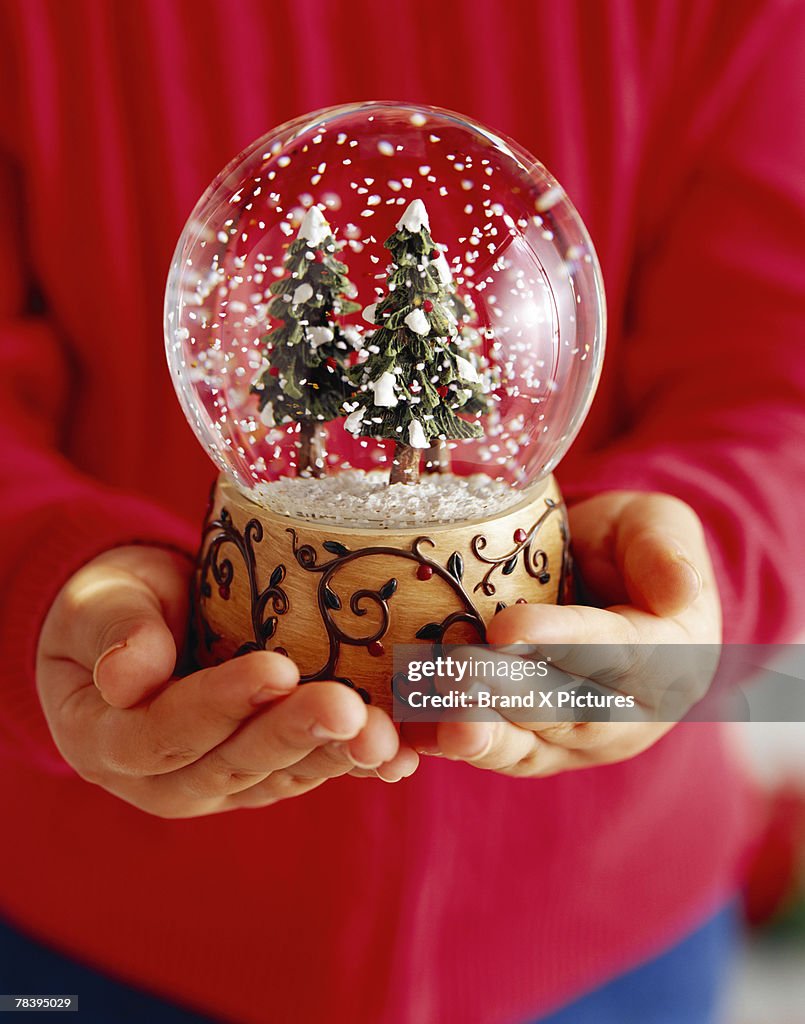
x,y
712,374
53,518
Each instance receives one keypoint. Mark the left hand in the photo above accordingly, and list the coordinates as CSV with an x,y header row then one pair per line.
x,y
644,557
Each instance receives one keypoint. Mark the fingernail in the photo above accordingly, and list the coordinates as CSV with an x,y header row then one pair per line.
x,y
109,650
485,747
340,747
697,576
263,695
476,690
521,647
366,765
321,732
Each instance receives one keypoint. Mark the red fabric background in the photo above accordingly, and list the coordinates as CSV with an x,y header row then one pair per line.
x,y
675,129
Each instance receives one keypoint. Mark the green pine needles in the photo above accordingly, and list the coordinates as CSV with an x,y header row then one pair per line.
x,y
305,379
418,383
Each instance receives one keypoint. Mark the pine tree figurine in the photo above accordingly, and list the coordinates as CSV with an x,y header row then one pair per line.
x,y
414,383
305,380
465,342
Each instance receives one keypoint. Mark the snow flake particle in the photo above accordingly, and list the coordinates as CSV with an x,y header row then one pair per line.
x,y
384,391
467,370
353,336
418,322
416,435
352,424
443,269
549,199
319,336
303,292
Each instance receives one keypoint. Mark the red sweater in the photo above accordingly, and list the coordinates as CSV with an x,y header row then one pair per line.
x,y
674,127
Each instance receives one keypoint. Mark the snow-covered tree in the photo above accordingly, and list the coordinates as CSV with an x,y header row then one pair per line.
x,y
466,343
415,387
304,377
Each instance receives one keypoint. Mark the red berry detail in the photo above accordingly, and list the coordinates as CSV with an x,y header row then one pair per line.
x,y
352,358
224,592
424,572
427,305
280,650
332,363
318,256
519,536
443,390
376,649
521,600
273,372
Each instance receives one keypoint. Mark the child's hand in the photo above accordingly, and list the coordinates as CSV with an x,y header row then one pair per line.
x,y
238,735
644,556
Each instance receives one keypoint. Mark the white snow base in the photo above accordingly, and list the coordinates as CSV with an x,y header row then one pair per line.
x,y
357,498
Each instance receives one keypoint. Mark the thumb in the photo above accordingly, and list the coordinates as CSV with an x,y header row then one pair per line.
x,y
111,622
660,549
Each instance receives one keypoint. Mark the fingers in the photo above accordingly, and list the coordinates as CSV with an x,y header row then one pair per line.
x,y
421,736
325,763
660,549
404,763
646,555
593,528
503,747
625,652
565,683
220,732
658,577
190,716
378,743
166,572
645,549
111,623
280,786
662,554
298,731
499,746
563,626
255,769
377,750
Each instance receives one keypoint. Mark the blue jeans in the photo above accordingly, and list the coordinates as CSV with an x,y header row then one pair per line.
x,y
679,987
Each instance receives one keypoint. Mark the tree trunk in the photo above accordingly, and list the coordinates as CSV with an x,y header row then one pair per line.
x,y
310,460
437,457
405,467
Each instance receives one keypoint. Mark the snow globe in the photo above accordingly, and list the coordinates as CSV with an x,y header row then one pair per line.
x,y
385,324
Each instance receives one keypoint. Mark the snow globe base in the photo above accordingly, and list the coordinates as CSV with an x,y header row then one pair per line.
x,y
337,598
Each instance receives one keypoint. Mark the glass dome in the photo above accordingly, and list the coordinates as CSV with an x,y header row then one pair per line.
x,y
382,294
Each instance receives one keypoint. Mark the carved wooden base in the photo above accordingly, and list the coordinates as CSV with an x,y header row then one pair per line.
x,y
336,599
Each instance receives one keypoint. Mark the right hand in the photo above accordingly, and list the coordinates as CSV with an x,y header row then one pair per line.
x,y
242,734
